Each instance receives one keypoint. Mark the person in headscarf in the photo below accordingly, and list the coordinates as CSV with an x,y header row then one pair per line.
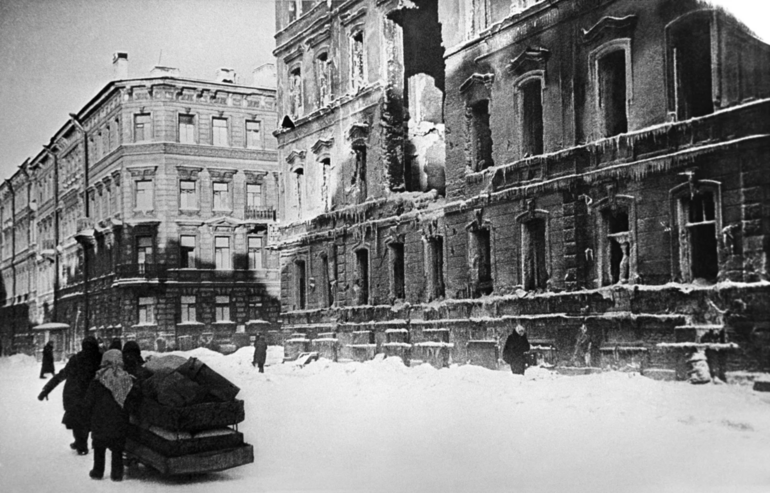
x,y
515,348
116,344
110,397
78,373
47,360
133,362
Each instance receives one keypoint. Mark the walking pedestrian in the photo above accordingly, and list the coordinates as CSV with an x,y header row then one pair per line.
x,y
48,366
78,373
515,348
260,353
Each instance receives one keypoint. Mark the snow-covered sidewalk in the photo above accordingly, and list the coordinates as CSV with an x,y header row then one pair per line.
x,y
380,426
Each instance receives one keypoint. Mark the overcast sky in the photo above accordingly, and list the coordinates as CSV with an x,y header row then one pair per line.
x,y
55,55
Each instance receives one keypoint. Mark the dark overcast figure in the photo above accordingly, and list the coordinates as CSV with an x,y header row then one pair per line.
x,y
78,373
109,397
260,353
47,360
515,347
133,362
116,344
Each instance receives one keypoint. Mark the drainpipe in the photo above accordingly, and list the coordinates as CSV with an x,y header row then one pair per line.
x,y
79,125
50,150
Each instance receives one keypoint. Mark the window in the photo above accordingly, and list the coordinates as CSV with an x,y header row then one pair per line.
x,y
533,254
253,195
531,116
702,232
219,132
481,135
323,82
435,264
187,252
361,284
146,310
617,250
359,174
187,129
221,196
255,253
327,276
397,270
295,93
481,261
690,55
222,259
143,253
299,189
300,284
143,197
222,309
188,198
188,310
255,307
357,61
611,96
253,134
326,165
142,127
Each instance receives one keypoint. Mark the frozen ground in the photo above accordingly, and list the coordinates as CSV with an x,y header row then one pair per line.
x,y
380,426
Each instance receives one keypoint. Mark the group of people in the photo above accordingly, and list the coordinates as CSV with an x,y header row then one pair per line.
x,y
100,391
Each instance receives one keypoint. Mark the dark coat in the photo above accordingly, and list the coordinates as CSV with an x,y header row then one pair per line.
x,y
108,422
78,373
48,359
513,352
260,351
133,362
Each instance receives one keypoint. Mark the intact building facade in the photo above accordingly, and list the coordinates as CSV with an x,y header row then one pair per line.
x,y
592,170
147,217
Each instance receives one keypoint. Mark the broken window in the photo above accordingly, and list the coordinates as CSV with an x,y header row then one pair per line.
x,y
299,189
326,165
295,93
531,117
300,276
701,229
327,280
323,79
357,62
611,92
361,283
535,275
481,135
397,270
187,252
690,50
618,246
481,261
359,174
435,263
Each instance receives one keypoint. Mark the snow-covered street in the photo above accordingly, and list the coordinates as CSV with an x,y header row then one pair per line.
x,y
381,426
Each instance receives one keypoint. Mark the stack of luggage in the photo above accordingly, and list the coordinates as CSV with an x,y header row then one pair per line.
x,y
187,420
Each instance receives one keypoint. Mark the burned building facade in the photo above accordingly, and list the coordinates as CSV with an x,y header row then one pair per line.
x,y
147,218
592,170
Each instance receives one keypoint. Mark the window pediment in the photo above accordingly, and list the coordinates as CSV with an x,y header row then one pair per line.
x,y
322,144
529,60
477,86
295,156
609,28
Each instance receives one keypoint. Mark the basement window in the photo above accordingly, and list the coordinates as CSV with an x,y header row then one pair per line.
x,y
701,228
359,174
531,117
327,280
618,246
361,284
435,262
481,135
481,261
690,53
300,286
397,271
612,92
533,254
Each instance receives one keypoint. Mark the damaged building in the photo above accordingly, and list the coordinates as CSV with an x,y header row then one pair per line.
x,y
592,170
147,218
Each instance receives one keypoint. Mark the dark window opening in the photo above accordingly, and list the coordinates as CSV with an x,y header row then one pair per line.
x,y
301,284
532,117
481,135
397,270
359,174
361,284
326,166
482,261
436,268
535,275
618,232
612,92
187,252
691,52
704,261
327,280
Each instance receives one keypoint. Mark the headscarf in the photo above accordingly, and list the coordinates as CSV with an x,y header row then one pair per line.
x,y
114,377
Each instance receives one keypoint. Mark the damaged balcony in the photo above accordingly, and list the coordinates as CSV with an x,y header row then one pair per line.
x,y
86,232
260,213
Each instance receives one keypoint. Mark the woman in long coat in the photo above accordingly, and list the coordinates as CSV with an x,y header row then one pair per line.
x,y
47,360
78,373
515,348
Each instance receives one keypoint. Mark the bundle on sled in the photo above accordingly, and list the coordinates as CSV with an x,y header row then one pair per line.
x,y
188,419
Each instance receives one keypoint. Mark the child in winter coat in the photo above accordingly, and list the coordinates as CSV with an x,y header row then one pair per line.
x,y
108,400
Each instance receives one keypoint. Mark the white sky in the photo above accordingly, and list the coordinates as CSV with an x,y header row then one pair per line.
x,y
55,55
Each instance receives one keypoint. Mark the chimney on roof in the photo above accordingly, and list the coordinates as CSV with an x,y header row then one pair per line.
x,y
264,76
161,71
120,65
226,75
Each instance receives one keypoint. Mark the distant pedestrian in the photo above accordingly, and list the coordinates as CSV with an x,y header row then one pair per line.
x,y
78,373
515,349
260,353
47,360
106,405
